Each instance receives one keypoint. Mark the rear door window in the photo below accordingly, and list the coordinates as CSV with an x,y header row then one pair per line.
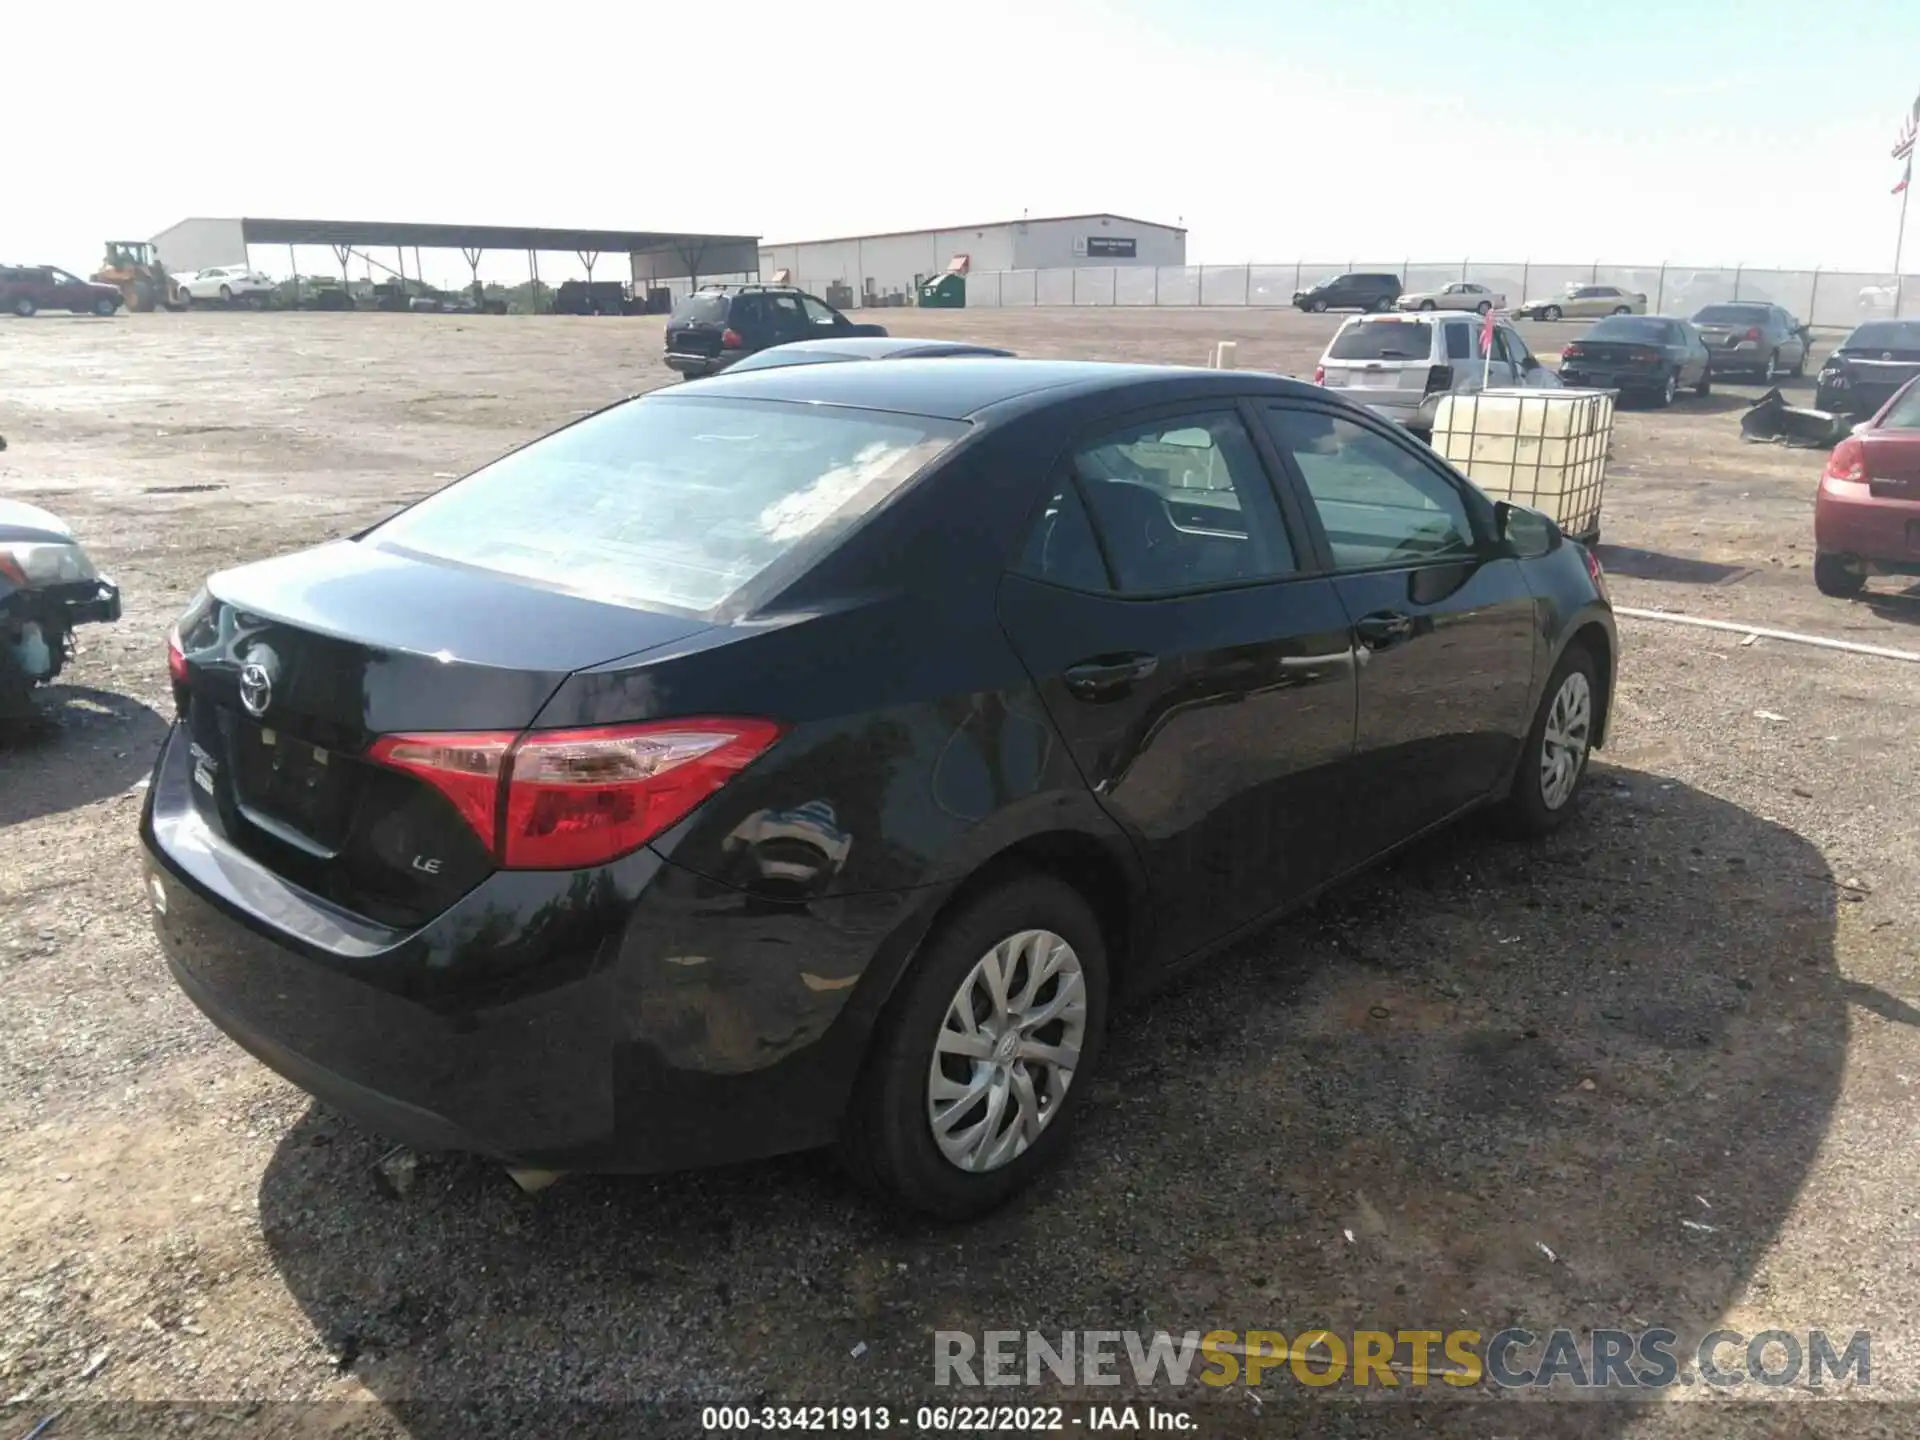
x,y
1459,342
1183,504
672,503
1383,340
1061,547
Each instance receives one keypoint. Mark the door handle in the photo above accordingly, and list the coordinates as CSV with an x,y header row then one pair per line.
x,y
1382,629
1105,677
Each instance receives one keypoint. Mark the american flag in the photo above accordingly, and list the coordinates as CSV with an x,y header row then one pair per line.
x,y
1906,179
1909,128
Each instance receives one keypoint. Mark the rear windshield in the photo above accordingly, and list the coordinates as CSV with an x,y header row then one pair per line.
x,y
1885,335
671,503
1635,327
1731,315
1904,413
702,309
1383,340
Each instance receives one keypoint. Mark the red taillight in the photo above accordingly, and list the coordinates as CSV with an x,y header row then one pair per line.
x,y
730,339
1319,374
1753,332
1848,461
1648,357
565,799
1599,575
1573,351
176,657
463,766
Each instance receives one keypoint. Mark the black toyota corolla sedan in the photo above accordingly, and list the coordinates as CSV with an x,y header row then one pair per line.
x,y
815,755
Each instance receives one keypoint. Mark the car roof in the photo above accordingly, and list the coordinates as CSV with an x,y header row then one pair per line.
x,y
1422,317
959,388
879,347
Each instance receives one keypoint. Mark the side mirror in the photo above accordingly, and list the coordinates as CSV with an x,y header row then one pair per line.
x,y
1526,534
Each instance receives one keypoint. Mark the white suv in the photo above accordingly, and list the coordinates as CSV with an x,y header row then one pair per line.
x,y
1400,365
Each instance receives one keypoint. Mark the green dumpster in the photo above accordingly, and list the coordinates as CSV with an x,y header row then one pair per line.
x,y
945,292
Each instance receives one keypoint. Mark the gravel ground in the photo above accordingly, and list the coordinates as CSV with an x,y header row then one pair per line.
x,y
1696,1004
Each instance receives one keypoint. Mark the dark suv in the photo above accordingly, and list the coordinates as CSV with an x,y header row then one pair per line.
x,y
27,288
1351,292
715,326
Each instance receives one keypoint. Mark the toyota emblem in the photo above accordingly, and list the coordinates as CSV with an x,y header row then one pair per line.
x,y
256,688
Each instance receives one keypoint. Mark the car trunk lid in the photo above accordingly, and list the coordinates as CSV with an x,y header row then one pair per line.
x,y
1614,352
294,666
1891,460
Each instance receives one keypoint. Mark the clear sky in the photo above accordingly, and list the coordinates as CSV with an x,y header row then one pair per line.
x,y
1707,132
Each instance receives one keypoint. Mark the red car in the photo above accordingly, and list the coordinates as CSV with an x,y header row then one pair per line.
x,y
1866,518
27,288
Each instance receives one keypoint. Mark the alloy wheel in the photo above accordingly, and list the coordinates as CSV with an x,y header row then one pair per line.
x,y
1007,1050
1672,390
1563,744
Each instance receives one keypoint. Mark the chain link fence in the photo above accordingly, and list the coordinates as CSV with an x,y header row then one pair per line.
x,y
1840,298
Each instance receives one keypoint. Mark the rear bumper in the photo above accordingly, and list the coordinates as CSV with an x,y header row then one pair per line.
x,y
1611,377
1739,361
634,1017
1880,531
694,366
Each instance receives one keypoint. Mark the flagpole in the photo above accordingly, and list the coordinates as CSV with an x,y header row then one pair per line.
x,y
1900,245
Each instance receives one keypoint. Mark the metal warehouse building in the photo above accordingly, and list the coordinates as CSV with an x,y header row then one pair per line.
x,y
876,266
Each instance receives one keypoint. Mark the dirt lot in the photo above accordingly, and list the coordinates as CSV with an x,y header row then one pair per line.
x,y
1695,1005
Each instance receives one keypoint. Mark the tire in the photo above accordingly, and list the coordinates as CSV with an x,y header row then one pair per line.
x,y
1550,312
1318,307
1382,305
888,1141
185,298
1705,387
1623,309
1833,576
1531,808
1428,305
1483,307
226,295
1669,392
104,307
24,307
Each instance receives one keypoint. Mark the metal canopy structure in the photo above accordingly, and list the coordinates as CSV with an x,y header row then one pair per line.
x,y
695,254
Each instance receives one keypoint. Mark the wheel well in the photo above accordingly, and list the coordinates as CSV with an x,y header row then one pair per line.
x,y
1592,637
1082,862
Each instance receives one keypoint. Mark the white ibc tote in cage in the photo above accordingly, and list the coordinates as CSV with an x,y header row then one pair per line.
x,y
1542,448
